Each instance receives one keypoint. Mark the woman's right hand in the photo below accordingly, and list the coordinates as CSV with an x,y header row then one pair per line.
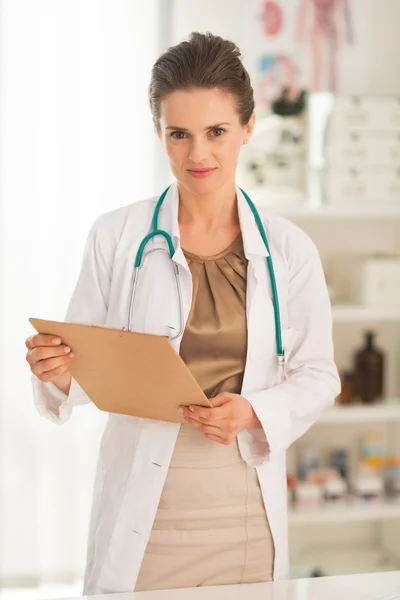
x,y
49,359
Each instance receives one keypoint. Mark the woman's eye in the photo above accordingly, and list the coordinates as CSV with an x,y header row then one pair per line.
x,y
178,135
181,135
217,132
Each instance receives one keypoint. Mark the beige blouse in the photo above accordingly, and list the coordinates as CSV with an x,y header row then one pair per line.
x,y
214,343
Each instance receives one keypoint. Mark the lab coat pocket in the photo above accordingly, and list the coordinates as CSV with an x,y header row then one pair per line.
x,y
163,311
159,318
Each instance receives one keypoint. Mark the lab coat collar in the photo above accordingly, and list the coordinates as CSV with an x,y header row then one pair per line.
x,y
252,242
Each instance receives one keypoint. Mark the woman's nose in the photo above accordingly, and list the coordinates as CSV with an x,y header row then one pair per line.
x,y
199,152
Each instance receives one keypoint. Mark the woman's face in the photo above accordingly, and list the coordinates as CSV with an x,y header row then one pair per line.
x,y
202,134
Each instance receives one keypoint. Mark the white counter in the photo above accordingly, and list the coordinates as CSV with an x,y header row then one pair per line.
x,y
379,586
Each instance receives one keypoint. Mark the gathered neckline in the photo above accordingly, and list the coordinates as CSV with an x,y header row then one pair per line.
x,y
227,250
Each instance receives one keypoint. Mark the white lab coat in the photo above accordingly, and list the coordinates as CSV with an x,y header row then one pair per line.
x,y
135,453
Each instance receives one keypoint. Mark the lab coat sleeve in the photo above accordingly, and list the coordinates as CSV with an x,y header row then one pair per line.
x,y
88,305
288,409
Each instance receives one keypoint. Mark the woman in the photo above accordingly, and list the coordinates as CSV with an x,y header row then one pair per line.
x,y
203,503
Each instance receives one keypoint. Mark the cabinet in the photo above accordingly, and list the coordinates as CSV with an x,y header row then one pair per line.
x,y
353,538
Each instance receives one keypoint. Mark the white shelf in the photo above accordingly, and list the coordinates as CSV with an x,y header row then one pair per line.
x,y
342,559
379,413
351,513
335,212
357,313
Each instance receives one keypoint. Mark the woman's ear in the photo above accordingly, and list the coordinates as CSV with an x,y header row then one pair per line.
x,y
248,129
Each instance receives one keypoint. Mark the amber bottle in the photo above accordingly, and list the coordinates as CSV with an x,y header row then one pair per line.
x,y
369,371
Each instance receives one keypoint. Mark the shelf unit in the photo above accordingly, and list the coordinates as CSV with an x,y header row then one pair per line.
x,y
321,537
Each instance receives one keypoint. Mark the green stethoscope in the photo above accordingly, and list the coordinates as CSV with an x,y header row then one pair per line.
x,y
171,250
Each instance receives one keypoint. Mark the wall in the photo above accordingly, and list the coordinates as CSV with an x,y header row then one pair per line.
x,y
76,140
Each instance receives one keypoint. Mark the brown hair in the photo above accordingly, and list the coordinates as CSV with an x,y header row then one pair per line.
x,y
203,61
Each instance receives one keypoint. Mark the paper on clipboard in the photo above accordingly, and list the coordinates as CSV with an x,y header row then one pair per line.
x,y
129,373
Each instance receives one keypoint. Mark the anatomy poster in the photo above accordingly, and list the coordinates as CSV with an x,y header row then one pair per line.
x,y
267,42
277,78
324,25
321,45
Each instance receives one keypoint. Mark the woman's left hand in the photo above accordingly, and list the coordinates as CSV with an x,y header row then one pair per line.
x,y
231,413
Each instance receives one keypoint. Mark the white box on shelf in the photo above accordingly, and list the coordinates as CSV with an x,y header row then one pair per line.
x,y
387,183
366,287
365,113
389,149
379,283
348,185
354,149
357,186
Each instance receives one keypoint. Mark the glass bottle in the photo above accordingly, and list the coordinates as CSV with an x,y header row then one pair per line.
x,y
369,369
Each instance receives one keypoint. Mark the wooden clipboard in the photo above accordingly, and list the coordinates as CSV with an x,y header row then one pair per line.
x,y
129,373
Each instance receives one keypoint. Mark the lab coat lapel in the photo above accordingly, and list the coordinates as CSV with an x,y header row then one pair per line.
x,y
259,306
252,241
254,247
168,221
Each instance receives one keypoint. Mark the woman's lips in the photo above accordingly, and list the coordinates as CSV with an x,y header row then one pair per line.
x,y
201,173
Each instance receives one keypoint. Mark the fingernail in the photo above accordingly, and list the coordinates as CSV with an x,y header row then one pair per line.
x,y
72,355
56,341
181,412
191,408
66,349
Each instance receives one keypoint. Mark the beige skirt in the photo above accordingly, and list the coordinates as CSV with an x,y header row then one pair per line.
x,y
211,527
